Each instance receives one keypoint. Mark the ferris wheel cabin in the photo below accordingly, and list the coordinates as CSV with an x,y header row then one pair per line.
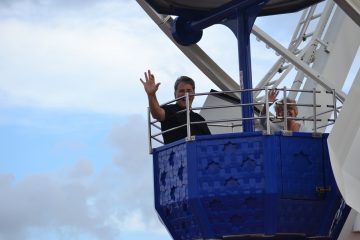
x,y
248,182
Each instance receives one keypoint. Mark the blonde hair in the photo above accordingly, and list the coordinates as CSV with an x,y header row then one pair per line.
x,y
291,105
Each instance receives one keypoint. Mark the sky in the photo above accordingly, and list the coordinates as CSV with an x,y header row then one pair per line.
x,y
74,160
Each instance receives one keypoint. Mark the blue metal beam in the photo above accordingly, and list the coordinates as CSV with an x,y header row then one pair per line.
x,y
239,16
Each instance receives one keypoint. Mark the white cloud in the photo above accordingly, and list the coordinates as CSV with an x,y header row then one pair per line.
x,y
103,205
130,140
92,62
43,201
92,58
6,180
62,68
82,168
132,221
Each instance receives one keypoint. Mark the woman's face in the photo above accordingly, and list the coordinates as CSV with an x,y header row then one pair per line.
x,y
291,112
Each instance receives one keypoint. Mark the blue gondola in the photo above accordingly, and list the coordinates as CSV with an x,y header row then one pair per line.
x,y
247,185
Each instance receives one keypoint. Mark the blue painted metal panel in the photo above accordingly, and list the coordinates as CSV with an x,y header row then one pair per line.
x,y
302,166
246,183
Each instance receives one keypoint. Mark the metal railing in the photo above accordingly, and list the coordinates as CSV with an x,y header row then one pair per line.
x,y
269,117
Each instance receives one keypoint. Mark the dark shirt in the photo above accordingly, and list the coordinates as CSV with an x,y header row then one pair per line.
x,y
174,119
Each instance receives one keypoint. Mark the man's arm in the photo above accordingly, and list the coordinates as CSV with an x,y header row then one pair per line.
x,y
150,88
271,99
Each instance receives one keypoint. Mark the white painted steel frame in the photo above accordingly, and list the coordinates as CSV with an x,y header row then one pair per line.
x,y
218,76
337,46
352,9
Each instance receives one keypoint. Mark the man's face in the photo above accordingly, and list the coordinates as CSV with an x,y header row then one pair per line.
x,y
183,88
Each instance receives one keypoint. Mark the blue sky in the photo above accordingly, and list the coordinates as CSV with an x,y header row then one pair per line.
x,y
74,160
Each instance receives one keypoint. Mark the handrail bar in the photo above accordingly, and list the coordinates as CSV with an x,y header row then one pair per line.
x,y
235,91
327,111
157,140
269,118
156,126
216,107
170,129
228,106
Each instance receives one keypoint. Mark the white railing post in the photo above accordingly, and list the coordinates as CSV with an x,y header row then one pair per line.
x,y
188,127
314,109
149,131
334,104
285,110
267,110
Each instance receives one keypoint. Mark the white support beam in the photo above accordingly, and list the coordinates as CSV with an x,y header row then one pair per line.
x,y
351,8
311,73
220,78
343,143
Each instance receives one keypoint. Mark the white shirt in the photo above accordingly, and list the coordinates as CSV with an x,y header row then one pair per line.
x,y
280,126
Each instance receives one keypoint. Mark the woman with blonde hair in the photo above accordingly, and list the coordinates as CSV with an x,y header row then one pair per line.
x,y
292,112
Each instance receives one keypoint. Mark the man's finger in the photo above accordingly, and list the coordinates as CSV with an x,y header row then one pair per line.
x,y
150,78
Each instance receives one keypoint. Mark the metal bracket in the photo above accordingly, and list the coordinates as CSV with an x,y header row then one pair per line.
x,y
322,190
264,132
287,133
317,134
192,138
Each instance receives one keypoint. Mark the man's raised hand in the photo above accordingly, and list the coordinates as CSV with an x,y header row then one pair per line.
x,y
149,84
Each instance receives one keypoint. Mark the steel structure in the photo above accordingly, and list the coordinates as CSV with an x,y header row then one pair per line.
x,y
322,63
